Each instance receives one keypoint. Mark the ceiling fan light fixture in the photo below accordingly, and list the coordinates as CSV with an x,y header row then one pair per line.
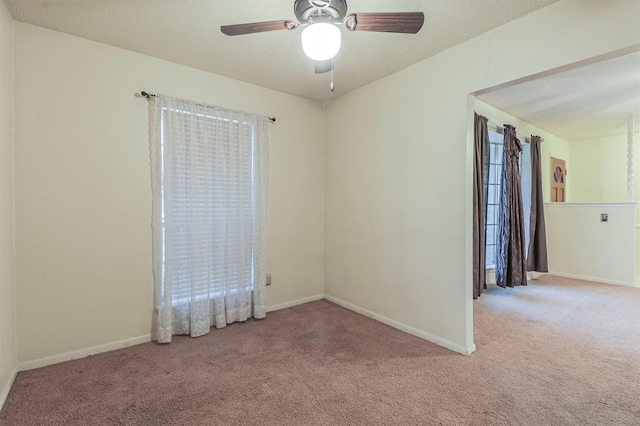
x,y
321,41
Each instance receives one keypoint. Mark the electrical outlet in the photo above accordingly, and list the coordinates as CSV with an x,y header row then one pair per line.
x,y
268,279
604,217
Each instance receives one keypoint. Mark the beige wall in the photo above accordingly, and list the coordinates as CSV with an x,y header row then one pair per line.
x,y
7,283
599,169
83,197
398,166
553,146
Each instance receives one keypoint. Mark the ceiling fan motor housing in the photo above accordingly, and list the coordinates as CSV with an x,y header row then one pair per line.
x,y
336,9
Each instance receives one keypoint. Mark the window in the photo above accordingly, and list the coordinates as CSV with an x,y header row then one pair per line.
x,y
210,182
495,189
211,210
493,198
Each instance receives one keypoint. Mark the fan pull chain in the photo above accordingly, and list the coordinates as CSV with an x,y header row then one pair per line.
x,y
332,87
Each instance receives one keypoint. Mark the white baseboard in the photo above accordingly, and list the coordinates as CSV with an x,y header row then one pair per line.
x,y
82,353
490,276
400,326
597,280
7,386
534,275
291,303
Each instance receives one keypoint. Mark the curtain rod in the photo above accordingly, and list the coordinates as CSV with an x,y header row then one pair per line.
x,y
517,134
152,95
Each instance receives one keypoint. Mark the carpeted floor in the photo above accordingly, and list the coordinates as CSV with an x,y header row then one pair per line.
x,y
557,352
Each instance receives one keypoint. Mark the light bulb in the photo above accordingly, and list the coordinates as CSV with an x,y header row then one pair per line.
x,y
321,41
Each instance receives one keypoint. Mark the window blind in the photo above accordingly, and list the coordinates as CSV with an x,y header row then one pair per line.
x,y
212,167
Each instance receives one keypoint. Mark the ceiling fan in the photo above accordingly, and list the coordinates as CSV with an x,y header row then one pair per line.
x,y
321,37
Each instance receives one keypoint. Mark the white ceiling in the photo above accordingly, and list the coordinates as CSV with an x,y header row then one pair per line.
x,y
592,101
188,32
587,102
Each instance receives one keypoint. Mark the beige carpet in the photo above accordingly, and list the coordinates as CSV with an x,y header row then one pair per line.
x,y
555,352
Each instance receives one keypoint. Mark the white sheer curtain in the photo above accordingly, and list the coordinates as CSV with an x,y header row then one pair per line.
x,y
210,174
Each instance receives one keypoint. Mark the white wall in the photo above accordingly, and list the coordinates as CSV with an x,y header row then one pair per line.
x,y
599,174
398,166
553,146
398,200
7,282
83,197
581,246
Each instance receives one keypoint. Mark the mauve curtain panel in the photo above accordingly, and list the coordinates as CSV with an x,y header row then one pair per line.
x,y
480,187
511,266
537,253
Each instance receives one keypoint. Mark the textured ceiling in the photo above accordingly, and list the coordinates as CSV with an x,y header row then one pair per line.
x,y
588,102
187,32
